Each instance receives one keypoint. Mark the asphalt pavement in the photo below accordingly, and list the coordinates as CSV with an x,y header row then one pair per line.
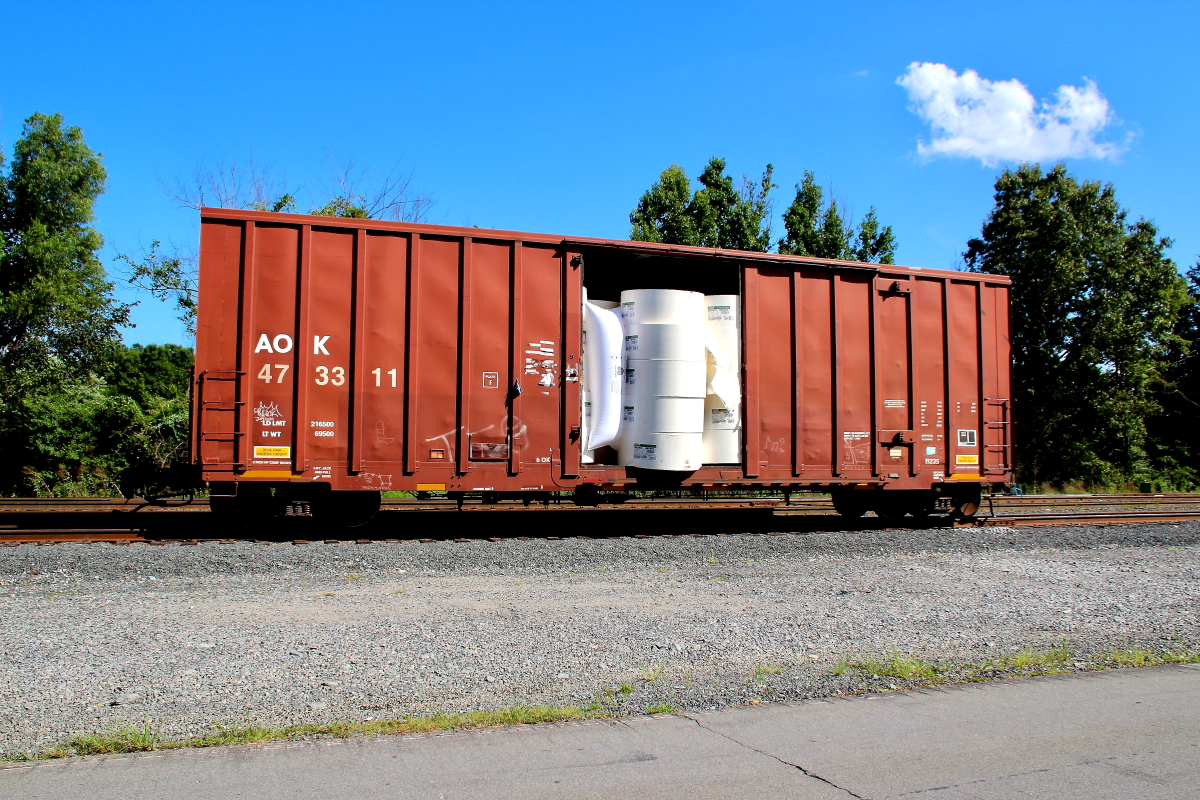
x,y
1118,734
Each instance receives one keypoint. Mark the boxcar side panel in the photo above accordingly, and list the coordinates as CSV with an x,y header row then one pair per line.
x,y
435,371
539,355
216,392
379,446
486,380
816,393
996,450
929,375
269,418
776,380
893,376
964,376
855,366
330,348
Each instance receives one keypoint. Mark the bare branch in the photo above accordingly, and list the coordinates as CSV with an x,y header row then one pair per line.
x,y
231,186
353,191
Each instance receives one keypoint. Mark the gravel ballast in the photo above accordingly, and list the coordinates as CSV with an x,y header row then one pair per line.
x,y
186,637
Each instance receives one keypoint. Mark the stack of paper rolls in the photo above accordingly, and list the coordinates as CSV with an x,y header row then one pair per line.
x,y
665,380
722,414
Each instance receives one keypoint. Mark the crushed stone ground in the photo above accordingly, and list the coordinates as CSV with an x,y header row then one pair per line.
x,y
187,637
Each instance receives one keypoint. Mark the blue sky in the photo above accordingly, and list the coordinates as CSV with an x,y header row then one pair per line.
x,y
555,117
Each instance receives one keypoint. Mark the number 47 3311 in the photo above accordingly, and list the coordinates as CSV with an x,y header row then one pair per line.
x,y
379,373
264,374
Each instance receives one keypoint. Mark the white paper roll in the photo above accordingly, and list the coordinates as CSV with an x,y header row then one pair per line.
x,y
609,304
718,416
722,310
585,402
665,378
662,414
669,306
721,447
664,342
603,374
722,443
682,452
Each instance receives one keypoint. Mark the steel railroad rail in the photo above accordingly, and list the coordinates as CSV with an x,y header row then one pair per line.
x,y
53,520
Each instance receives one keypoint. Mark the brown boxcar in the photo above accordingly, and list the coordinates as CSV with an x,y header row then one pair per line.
x,y
343,355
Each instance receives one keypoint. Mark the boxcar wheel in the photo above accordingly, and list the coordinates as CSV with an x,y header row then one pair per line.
x,y
967,508
891,508
253,503
848,504
345,509
967,504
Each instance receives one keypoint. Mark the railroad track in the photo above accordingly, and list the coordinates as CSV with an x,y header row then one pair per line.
x,y
54,520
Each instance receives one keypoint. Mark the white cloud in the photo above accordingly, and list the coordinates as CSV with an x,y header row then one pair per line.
x,y
997,121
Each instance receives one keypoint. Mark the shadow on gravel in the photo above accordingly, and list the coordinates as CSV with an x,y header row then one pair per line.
x,y
445,525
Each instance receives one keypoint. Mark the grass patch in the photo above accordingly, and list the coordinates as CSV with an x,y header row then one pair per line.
x,y
661,708
651,673
898,665
1024,663
134,739
761,671
1137,657
125,739
608,700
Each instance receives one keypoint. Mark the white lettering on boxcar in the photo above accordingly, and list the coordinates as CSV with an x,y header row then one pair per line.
x,y
319,345
282,343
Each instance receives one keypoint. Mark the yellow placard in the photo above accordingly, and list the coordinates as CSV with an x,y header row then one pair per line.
x,y
272,452
966,460
431,487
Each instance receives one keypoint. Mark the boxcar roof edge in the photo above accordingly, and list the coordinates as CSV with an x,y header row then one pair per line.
x,y
581,241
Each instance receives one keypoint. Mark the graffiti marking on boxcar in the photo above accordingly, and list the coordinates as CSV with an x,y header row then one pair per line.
x,y
857,448
381,436
376,481
444,438
268,414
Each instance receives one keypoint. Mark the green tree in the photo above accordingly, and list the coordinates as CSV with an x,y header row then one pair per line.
x,y
150,373
1095,303
810,230
718,214
63,434
55,303
1173,435
662,214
